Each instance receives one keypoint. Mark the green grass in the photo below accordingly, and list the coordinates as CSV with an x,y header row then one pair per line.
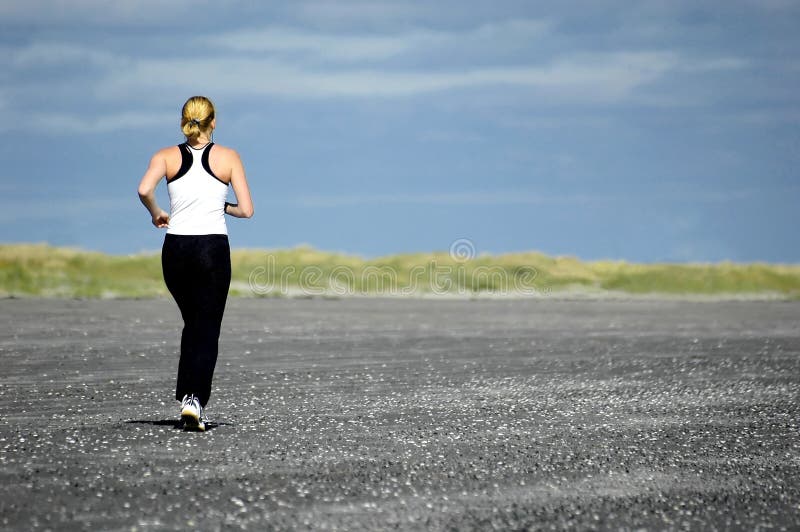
x,y
43,270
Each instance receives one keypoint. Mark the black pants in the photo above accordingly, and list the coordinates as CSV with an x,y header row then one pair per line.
x,y
197,272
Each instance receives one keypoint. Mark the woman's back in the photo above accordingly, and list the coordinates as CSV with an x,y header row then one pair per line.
x,y
197,194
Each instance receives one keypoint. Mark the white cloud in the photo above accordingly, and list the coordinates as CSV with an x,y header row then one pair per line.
x,y
764,118
300,63
355,47
65,123
464,198
673,192
773,5
362,12
716,63
48,54
339,47
588,78
69,12
127,82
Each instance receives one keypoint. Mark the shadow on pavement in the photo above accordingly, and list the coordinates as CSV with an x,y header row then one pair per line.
x,y
173,423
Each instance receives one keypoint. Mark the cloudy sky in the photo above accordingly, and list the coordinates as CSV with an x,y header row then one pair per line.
x,y
645,131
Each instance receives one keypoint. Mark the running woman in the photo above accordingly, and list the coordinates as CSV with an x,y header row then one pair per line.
x,y
195,256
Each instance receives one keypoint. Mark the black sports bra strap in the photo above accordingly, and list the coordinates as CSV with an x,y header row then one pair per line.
x,y
186,161
207,166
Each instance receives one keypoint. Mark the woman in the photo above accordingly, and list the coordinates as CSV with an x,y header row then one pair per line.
x,y
195,257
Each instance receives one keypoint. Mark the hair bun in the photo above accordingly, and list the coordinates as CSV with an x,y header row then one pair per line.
x,y
197,106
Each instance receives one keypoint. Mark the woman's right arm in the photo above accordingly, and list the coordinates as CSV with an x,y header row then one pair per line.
x,y
244,207
155,172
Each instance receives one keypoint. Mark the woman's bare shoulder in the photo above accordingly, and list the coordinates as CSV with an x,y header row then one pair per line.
x,y
226,152
168,152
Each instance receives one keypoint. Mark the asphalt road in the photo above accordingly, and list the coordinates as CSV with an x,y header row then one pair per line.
x,y
372,414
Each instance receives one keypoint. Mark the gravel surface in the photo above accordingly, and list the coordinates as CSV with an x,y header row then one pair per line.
x,y
372,414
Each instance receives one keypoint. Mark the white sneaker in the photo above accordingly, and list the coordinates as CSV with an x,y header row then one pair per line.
x,y
192,414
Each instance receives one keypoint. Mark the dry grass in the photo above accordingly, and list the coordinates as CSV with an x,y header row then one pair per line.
x,y
43,270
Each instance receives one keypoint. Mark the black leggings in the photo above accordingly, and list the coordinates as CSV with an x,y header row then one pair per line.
x,y
197,272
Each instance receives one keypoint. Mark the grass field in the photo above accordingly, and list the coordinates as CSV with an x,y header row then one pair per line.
x,y
43,270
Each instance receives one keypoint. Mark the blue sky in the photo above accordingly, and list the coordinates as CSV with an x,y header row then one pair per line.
x,y
645,131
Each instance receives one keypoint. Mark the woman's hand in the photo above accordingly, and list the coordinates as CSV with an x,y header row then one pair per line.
x,y
161,219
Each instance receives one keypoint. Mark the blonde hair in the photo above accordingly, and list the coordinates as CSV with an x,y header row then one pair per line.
x,y
196,116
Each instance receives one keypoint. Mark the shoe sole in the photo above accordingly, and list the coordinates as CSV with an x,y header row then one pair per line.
x,y
191,421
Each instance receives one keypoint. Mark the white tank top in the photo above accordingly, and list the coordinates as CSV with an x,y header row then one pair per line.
x,y
196,196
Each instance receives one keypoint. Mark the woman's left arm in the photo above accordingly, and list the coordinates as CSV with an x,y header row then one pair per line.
x,y
147,189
